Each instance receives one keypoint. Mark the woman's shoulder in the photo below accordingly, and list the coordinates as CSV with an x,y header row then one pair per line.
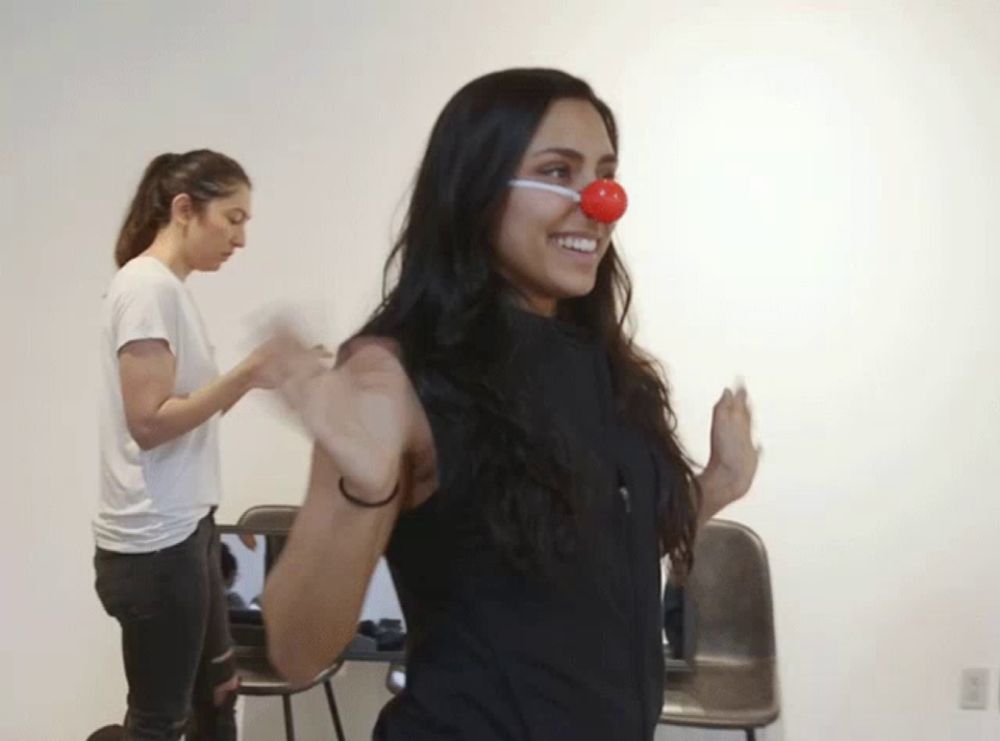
x,y
141,287
366,346
143,273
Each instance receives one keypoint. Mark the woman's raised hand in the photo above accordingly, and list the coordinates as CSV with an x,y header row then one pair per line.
x,y
364,412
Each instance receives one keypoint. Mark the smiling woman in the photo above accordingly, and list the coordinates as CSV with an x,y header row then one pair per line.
x,y
547,248
495,432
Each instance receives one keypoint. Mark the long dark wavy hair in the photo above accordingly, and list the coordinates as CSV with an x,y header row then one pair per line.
x,y
446,308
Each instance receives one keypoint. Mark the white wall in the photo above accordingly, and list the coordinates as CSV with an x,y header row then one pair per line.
x,y
814,193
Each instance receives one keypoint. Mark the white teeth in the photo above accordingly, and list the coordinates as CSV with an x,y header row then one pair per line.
x,y
577,244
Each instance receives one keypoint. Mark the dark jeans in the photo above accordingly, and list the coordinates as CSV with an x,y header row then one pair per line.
x,y
175,637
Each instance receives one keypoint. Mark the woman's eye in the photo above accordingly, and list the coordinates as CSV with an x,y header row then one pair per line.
x,y
556,171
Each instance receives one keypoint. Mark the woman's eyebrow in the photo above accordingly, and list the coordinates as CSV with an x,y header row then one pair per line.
x,y
573,155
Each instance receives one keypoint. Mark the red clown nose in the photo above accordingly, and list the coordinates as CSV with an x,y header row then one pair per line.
x,y
604,201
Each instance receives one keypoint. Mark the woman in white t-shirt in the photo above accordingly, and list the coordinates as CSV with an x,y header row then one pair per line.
x,y
157,559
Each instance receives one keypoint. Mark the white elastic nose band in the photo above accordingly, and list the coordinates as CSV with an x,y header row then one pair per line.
x,y
551,187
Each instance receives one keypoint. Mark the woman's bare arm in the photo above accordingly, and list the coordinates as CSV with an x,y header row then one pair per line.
x,y
370,431
153,414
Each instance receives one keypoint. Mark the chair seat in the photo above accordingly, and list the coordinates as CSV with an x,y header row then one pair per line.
x,y
259,678
722,694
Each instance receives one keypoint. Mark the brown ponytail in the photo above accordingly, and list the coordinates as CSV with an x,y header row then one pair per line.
x,y
201,173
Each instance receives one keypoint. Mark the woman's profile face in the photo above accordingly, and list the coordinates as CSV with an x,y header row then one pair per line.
x,y
545,246
218,230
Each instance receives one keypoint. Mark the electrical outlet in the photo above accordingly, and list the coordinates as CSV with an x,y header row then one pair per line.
x,y
974,691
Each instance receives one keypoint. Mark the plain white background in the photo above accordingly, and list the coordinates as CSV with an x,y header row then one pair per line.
x,y
814,195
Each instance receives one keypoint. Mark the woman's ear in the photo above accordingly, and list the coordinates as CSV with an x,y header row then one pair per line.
x,y
182,209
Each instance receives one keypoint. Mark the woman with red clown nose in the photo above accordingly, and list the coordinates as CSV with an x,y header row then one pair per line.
x,y
494,431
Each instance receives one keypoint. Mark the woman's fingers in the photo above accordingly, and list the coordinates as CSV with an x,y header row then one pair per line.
x,y
741,394
737,401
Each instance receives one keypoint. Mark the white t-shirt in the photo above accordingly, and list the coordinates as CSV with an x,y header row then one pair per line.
x,y
152,499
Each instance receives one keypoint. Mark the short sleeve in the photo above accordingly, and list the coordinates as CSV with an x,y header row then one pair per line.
x,y
145,308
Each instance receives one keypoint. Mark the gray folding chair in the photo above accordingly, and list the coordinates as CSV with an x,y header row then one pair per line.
x,y
257,676
733,683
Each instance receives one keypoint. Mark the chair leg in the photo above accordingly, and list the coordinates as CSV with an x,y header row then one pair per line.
x,y
333,710
751,734
286,703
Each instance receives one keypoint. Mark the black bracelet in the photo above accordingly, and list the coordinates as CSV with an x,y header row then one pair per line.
x,y
364,503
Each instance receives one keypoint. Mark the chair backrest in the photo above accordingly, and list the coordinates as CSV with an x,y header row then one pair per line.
x,y
269,517
276,520
730,587
272,522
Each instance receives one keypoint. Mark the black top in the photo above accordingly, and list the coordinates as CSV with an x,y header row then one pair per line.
x,y
495,655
